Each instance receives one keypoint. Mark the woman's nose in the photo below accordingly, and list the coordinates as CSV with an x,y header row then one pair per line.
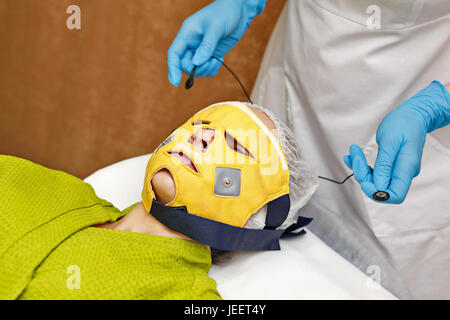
x,y
202,138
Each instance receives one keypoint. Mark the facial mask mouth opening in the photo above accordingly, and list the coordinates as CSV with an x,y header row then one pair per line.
x,y
184,159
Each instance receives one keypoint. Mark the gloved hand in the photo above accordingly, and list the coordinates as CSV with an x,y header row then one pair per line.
x,y
213,30
401,138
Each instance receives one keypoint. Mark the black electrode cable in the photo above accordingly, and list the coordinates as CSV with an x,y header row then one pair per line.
x,y
190,80
338,182
236,77
190,83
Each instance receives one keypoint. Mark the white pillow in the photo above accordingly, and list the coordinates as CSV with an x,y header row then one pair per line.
x,y
304,268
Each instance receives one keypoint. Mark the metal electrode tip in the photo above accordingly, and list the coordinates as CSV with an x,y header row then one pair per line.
x,y
381,196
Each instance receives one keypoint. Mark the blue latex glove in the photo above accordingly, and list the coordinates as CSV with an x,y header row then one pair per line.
x,y
213,30
401,138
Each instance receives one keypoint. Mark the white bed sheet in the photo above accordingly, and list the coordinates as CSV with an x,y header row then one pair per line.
x,y
305,268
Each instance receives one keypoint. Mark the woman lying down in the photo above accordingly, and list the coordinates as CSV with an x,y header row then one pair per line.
x,y
230,178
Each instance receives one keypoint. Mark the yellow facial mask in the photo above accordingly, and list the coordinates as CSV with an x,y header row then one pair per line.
x,y
218,188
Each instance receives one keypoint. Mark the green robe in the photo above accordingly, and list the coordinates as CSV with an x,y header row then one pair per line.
x,y
48,249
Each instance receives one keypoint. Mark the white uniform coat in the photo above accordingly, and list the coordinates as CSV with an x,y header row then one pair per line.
x,y
332,70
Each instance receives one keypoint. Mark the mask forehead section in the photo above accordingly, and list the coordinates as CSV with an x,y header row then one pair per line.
x,y
225,115
245,126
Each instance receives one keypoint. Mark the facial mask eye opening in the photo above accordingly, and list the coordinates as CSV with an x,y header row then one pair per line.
x,y
234,145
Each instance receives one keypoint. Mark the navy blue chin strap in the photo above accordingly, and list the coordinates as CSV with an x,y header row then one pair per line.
x,y
278,211
227,237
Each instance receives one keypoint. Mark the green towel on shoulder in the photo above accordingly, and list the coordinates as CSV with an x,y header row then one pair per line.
x,y
49,251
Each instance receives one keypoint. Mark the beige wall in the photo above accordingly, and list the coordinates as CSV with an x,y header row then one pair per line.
x,y
81,100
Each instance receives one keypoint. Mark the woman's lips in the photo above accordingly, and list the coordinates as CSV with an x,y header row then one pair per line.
x,y
184,158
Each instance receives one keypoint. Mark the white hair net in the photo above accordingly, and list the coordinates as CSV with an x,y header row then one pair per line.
x,y
303,181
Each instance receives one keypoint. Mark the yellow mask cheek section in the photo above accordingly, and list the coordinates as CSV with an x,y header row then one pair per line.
x,y
226,186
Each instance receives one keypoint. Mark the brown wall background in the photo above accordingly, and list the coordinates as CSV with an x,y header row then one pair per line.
x,y
79,100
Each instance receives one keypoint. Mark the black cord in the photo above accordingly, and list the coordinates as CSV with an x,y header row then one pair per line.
x,y
335,180
190,83
190,80
235,76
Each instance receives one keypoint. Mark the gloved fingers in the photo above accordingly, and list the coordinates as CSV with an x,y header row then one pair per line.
x,y
207,47
369,189
398,189
208,69
186,62
362,172
388,149
409,158
225,45
406,167
173,62
348,161
174,56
